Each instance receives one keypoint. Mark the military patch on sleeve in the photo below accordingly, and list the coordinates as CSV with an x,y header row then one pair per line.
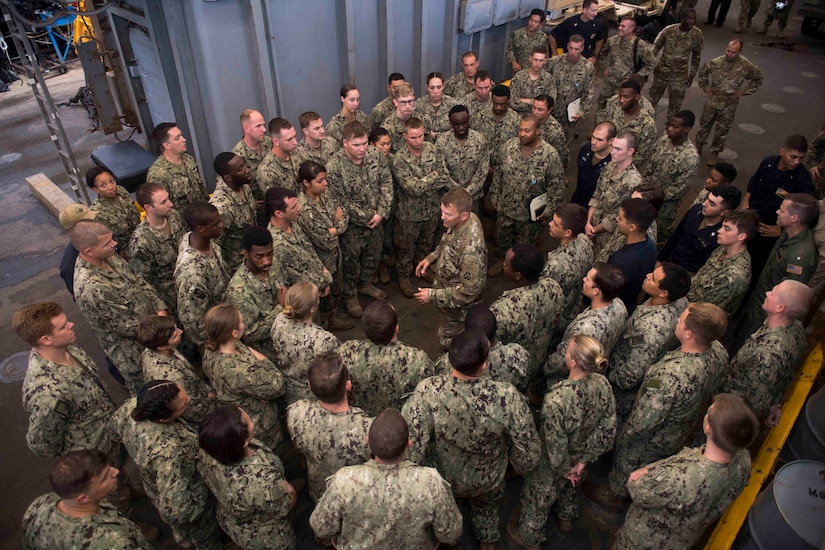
x,y
659,474
794,269
468,276
653,384
62,410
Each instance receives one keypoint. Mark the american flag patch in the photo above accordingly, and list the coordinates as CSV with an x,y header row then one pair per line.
x,y
794,269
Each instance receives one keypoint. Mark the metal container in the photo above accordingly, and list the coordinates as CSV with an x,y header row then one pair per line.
x,y
807,438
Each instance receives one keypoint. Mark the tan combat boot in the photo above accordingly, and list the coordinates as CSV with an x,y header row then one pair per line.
x,y
406,287
353,307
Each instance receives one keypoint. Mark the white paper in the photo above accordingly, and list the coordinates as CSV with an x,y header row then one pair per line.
x,y
537,206
573,108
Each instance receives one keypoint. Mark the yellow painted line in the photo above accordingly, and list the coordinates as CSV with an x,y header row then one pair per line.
x,y
732,520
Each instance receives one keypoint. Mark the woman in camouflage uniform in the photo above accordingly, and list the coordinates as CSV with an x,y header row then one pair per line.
x,y
113,206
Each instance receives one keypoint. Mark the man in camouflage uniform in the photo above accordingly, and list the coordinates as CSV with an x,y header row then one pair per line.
x,y
385,107
528,315
531,81
383,370
389,502
624,54
573,75
175,169
724,80
201,275
280,165
328,432
470,425
422,175
780,14
361,180
725,277
79,517
459,263
568,263
673,162
253,147
479,99
395,123
668,403
529,167
648,334
603,320
461,84
234,200
153,249
642,124
681,46
523,40
549,128
112,297
498,124
466,154
815,161
316,145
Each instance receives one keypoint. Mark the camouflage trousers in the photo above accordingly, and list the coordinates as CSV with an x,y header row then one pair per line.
x,y
747,9
387,242
484,514
568,127
780,16
512,231
630,455
414,240
361,250
721,113
666,219
451,325
542,488
202,533
605,244
610,87
676,84
332,261
126,357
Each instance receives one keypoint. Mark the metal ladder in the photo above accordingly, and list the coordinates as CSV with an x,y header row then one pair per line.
x,y
34,76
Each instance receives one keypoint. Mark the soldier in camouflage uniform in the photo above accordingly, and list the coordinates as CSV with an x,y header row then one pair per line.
x,y
725,277
466,154
568,263
62,521
603,320
479,99
676,499
724,79
528,315
648,334
672,164
469,425
395,123
242,376
815,161
459,259
681,46
279,168
549,128
385,107
389,502
161,361
175,169
531,81
574,76
350,112
316,145
253,147
523,40
234,200
578,425
165,450
201,275
461,84
433,109
624,54
383,370
642,124
247,479
112,297
153,249
113,206
328,432
498,124
781,16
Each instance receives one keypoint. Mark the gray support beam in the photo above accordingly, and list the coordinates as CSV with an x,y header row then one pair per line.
x,y
451,32
259,25
419,44
348,33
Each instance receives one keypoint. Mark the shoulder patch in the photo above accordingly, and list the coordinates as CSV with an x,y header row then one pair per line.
x,y
61,409
653,384
794,269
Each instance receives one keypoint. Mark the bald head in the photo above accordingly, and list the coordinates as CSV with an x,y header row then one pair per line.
x,y
87,233
795,297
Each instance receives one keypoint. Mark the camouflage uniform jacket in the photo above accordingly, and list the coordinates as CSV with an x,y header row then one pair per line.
x,y
765,365
567,265
672,168
166,455
467,161
253,385
604,324
383,375
643,125
617,56
365,189
419,188
474,106
506,363
297,258
316,219
460,261
471,428
610,192
573,81
275,172
380,112
496,132
378,505
552,132
457,86
328,440
679,498
183,182
296,344
257,300
156,365
523,85
44,526
329,146
120,216
518,181
520,46
201,280
528,316
114,300
436,121
153,254
722,281
237,213
68,407
253,160
725,78
396,128
681,52
253,504
335,126
647,336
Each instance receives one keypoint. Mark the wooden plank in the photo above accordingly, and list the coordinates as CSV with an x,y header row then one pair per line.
x,y
48,193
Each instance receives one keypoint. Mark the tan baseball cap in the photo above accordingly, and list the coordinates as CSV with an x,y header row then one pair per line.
x,y
74,213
